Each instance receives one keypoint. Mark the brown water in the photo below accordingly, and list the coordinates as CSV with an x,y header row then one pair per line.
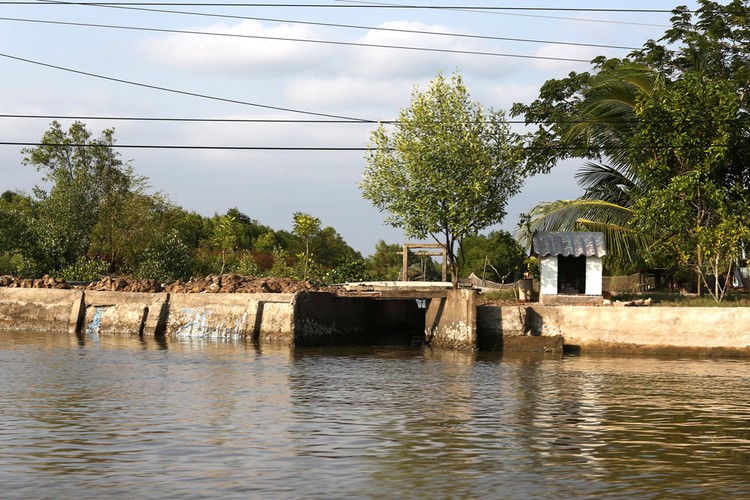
x,y
122,418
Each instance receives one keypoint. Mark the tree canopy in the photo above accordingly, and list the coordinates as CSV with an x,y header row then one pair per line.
x,y
447,168
665,132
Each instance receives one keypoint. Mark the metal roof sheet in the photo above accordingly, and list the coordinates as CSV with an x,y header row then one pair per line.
x,y
575,244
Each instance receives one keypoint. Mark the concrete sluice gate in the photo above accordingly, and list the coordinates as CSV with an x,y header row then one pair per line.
x,y
299,319
445,318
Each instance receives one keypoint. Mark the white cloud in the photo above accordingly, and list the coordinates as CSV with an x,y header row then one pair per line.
x,y
235,53
370,99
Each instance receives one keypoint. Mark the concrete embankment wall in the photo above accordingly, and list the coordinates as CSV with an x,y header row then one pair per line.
x,y
325,319
305,318
33,309
452,321
267,317
315,318
669,330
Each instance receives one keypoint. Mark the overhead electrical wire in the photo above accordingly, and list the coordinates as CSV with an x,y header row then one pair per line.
x,y
300,121
329,149
372,28
350,5
332,117
228,16
181,92
325,42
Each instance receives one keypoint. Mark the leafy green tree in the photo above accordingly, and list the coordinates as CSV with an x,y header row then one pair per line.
x,y
306,226
226,237
687,133
18,250
166,257
387,261
330,249
88,181
447,169
496,257
266,243
601,117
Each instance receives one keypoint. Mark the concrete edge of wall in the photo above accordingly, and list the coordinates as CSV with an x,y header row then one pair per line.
x,y
710,331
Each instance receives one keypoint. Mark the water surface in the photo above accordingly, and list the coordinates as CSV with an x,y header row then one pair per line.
x,y
116,416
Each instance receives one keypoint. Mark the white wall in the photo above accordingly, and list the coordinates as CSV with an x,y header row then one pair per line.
x,y
593,275
548,272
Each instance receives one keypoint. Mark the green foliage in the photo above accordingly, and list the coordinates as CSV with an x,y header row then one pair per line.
x,y
446,170
496,257
168,257
245,265
281,267
330,249
87,179
226,237
84,269
387,262
266,242
346,272
306,226
672,125
692,212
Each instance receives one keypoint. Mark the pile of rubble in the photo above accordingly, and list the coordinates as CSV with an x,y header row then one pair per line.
x,y
227,283
234,283
44,282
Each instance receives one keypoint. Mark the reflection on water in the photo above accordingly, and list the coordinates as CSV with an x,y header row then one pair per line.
x,y
117,415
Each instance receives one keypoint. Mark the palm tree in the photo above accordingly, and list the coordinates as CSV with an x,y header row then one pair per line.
x,y
605,122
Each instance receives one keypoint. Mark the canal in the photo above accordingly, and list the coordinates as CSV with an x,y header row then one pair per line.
x,y
123,417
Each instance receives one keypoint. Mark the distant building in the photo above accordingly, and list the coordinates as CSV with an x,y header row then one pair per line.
x,y
570,264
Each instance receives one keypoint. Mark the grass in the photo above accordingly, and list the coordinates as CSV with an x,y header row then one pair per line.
x,y
497,295
731,299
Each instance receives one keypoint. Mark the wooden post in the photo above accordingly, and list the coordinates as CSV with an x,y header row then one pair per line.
x,y
443,253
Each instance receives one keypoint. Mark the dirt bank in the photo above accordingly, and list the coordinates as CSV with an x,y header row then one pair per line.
x,y
227,283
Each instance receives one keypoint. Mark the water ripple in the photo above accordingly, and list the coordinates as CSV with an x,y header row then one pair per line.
x,y
209,418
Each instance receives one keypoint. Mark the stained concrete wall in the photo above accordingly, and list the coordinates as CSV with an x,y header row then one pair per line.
x,y
35,309
288,319
123,312
452,321
704,330
246,316
325,319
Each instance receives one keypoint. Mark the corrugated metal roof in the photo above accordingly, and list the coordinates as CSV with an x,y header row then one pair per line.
x,y
569,244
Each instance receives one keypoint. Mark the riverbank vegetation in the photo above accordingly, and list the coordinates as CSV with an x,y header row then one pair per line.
x,y
93,215
664,133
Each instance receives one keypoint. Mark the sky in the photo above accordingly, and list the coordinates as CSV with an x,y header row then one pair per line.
x,y
277,67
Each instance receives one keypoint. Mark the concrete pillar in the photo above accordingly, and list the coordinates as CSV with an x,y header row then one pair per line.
x,y
452,322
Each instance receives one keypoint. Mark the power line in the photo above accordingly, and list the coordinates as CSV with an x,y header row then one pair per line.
x,y
329,121
180,92
348,26
188,147
332,148
538,16
227,16
302,40
358,5
177,119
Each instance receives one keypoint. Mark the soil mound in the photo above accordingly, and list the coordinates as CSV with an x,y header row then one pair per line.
x,y
44,282
227,283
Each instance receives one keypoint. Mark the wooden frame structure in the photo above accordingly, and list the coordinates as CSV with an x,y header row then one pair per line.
x,y
443,253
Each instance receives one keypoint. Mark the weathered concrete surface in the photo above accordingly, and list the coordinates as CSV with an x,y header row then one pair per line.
x,y
325,319
276,323
123,312
239,315
705,331
507,329
452,321
34,309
